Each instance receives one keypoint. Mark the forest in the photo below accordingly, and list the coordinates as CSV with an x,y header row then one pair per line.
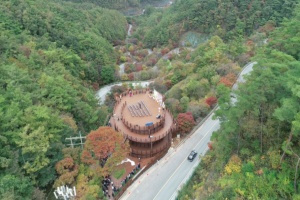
x,y
255,153
55,54
52,56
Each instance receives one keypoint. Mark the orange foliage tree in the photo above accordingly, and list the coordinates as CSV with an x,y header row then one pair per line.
x,y
68,170
104,144
164,51
228,80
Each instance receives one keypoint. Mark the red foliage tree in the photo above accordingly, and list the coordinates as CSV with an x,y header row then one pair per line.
x,y
138,67
168,84
153,61
185,122
131,76
210,145
211,101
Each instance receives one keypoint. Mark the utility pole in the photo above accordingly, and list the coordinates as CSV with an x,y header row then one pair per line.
x,y
73,143
151,136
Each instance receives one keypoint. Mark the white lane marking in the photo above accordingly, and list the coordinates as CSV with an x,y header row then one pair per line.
x,y
183,162
188,174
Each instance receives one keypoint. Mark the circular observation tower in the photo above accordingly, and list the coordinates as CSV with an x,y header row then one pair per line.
x,y
140,115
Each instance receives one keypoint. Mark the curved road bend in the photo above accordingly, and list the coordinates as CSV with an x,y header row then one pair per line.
x,y
163,180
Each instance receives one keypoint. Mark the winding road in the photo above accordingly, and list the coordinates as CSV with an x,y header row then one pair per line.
x,y
101,94
164,179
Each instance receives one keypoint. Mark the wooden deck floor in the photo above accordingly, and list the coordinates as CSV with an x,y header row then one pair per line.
x,y
153,107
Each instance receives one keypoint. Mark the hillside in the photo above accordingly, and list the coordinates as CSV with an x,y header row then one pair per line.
x,y
227,19
51,53
255,153
54,54
121,5
81,28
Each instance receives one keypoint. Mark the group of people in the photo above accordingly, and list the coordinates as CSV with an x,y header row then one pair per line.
x,y
137,167
106,183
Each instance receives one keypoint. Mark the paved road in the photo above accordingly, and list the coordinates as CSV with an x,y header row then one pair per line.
x,y
247,69
101,94
163,180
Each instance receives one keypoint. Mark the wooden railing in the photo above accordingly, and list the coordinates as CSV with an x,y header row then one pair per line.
x,y
142,129
149,153
153,138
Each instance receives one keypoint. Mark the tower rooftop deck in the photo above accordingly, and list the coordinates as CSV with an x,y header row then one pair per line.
x,y
136,118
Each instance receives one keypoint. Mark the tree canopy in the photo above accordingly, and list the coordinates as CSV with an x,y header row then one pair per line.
x,y
256,151
228,19
55,53
50,54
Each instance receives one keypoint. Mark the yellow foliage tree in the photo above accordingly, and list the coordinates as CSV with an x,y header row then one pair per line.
x,y
234,165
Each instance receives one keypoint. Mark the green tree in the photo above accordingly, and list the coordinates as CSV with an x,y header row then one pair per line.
x,y
34,145
107,74
15,187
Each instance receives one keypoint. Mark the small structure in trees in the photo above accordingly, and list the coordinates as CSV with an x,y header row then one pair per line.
x,y
64,192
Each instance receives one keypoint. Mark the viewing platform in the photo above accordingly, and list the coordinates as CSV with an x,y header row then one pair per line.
x,y
144,122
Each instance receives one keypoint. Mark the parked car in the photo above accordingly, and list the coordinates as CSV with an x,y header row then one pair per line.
x,y
192,155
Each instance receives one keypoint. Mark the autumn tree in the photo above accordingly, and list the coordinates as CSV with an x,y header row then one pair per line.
x,y
68,170
185,122
104,144
211,101
228,80
88,188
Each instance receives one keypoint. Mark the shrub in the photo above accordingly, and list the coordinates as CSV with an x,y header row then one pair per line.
x,y
123,59
145,75
124,77
234,165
